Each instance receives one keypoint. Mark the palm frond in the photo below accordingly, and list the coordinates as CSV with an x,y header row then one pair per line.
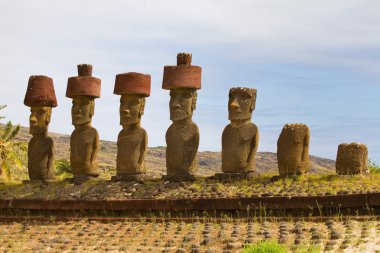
x,y
6,131
14,132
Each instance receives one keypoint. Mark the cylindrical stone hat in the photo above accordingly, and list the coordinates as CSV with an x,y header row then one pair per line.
x,y
84,84
184,75
132,83
40,92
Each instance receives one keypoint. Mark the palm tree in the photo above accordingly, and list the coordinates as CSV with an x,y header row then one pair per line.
x,y
9,155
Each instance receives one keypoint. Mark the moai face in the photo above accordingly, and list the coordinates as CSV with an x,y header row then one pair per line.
x,y
182,103
82,110
39,119
131,109
241,103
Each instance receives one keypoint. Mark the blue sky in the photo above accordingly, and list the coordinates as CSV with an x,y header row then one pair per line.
x,y
316,62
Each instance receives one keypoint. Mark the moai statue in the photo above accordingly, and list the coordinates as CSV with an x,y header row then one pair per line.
x,y
293,150
241,137
182,137
352,159
84,141
40,97
132,140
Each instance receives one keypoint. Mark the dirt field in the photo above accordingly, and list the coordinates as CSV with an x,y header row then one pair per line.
x,y
202,236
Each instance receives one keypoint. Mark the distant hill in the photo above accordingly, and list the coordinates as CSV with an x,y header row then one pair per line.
x,y
209,162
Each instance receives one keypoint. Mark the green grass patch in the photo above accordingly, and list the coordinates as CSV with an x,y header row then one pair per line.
x,y
265,247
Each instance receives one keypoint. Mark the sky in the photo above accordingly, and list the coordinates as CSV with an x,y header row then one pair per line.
x,y
315,62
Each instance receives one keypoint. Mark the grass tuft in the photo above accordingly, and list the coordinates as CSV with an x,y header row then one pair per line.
x,y
265,247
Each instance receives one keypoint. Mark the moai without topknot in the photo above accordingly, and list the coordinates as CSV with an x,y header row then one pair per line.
x,y
240,138
182,137
40,97
351,159
132,141
84,141
293,150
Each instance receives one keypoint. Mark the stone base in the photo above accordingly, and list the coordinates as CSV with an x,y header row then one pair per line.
x,y
34,181
80,180
179,178
228,176
130,178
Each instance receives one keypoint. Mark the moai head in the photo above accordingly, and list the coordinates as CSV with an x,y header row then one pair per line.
x,y
241,103
182,80
40,97
352,159
133,88
182,103
293,150
83,89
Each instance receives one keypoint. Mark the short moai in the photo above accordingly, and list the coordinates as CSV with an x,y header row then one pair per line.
x,y
84,141
182,137
293,150
351,159
40,97
132,140
240,138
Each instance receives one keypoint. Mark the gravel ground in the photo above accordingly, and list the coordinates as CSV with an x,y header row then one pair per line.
x,y
143,236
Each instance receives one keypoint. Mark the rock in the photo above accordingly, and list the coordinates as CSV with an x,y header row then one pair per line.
x,y
234,245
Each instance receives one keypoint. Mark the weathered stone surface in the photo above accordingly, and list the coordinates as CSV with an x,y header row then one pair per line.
x,y
84,141
182,137
40,92
240,138
293,150
132,83
40,96
183,75
352,159
84,84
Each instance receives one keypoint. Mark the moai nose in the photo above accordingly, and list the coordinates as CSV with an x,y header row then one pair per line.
x,y
235,104
32,119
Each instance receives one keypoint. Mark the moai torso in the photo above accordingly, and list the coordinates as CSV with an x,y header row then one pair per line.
x,y
182,146
293,150
352,159
84,143
239,148
40,158
131,148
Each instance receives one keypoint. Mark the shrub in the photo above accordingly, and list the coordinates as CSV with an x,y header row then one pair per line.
x,y
10,150
62,169
265,247
373,167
